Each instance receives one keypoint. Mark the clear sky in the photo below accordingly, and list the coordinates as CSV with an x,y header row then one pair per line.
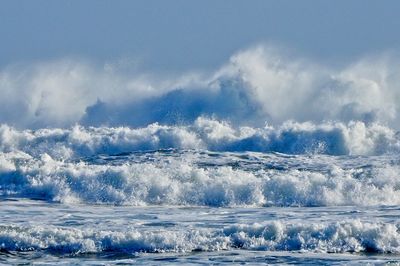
x,y
193,34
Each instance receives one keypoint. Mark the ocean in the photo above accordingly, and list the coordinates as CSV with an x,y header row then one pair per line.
x,y
270,158
203,193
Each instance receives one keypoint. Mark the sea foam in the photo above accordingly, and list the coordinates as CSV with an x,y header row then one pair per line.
x,y
203,179
333,138
345,236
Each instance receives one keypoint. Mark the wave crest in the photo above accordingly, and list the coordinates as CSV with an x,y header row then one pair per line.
x,y
257,85
203,179
348,236
354,138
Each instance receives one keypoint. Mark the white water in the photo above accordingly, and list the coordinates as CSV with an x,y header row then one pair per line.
x,y
40,232
268,159
204,179
257,85
350,236
353,138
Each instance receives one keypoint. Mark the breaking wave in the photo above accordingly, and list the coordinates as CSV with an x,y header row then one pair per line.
x,y
257,85
203,179
353,138
339,237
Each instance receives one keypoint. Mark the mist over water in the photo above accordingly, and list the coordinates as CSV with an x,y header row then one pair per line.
x,y
268,153
257,86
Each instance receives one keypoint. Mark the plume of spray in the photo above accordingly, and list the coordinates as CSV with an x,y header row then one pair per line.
x,y
257,85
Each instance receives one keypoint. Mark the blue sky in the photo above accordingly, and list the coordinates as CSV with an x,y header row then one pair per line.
x,y
181,35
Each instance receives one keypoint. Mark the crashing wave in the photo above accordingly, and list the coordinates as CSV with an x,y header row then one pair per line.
x,y
256,85
333,138
339,237
198,179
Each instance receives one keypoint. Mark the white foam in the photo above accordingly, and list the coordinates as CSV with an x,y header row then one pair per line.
x,y
339,237
353,138
182,180
257,85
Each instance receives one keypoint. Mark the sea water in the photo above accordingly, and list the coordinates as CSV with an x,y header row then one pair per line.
x,y
205,193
